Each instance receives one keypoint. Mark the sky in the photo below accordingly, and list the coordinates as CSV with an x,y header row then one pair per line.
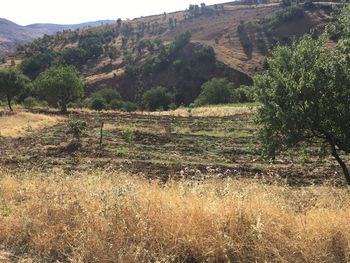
x,y
26,12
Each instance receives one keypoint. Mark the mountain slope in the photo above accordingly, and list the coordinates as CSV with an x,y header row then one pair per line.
x,y
229,40
12,34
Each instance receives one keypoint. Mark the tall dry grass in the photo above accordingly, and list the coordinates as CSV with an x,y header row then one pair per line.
x,y
22,123
108,217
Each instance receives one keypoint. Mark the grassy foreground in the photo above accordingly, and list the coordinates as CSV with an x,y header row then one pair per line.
x,y
115,217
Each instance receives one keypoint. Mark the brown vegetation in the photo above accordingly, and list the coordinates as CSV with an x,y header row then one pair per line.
x,y
23,123
113,217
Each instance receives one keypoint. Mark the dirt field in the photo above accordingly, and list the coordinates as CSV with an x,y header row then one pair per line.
x,y
162,146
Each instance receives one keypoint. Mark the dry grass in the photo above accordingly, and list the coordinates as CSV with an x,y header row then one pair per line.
x,y
23,123
209,111
105,217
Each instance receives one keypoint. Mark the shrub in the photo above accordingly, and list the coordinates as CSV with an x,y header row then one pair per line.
x,y
77,127
157,98
286,14
215,91
29,102
98,103
108,94
242,94
116,104
129,106
128,135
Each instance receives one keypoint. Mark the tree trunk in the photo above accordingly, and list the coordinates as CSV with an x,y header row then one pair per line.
x,y
340,161
9,103
101,134
64,108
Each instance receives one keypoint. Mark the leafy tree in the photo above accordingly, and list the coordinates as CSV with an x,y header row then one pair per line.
x,y
215,91
60,84
33,65
74,56
341,26
12,83
305,97
108,94
112,53
129,106
98,103
93,46
157,98
243,94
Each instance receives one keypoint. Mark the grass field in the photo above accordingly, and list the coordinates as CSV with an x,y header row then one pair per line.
x,y
183,186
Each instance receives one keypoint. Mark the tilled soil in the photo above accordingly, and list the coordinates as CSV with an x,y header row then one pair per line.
x,y
164,147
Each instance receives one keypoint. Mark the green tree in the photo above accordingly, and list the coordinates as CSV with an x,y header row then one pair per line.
x,y
215,91
74,56
112,53
12,83
60,84
98,103
305,97
157,98
119,22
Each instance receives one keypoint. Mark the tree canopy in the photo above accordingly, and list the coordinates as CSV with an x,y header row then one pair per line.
x,y
305,97
215,91
157,98
12,83
60,84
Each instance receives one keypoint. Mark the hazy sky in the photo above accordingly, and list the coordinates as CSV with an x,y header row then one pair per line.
x,y
26,12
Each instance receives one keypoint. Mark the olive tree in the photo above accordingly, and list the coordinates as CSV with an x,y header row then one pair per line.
x,y
60,84
12,83
305,97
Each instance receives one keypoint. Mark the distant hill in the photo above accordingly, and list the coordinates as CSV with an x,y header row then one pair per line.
x,y
12,34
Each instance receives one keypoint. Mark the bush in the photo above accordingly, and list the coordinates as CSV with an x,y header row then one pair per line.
x,y
157,98
29,103
77,127
117,104
98,103
215,91
79,104
242,94
108,94
128,135
129,106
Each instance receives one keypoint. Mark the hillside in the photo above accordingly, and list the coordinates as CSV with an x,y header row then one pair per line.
x,y
229,40
12,34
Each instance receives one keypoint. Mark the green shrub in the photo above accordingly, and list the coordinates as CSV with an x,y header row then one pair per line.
x,y
77,127
215,91
157,98
29,103
117,104
286,14
129,106
98,103
108,94
242,94
172,106
78,104
128,135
